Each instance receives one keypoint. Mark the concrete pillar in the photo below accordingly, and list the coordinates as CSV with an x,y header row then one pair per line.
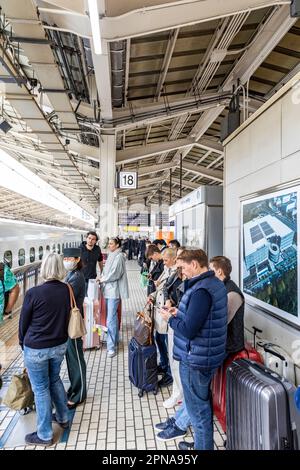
x,y
108,223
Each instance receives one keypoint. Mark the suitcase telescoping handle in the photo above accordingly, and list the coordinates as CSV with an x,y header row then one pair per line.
x,y
255,331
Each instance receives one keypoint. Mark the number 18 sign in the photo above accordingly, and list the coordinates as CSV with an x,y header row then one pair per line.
x,y
127,180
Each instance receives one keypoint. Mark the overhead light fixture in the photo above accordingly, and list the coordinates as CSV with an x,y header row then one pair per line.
x,y
95,24
5,126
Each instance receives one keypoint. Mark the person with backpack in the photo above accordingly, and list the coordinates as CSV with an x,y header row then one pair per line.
x,y
9,290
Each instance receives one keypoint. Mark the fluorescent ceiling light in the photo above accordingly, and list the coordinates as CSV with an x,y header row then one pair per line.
x,y
95,24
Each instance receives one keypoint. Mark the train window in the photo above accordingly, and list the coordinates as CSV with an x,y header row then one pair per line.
x,y
58,248
63,246
53,248
8,258
32,255
47,248
41,253
21,257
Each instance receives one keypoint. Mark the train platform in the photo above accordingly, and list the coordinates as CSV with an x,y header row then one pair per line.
x,y
113,416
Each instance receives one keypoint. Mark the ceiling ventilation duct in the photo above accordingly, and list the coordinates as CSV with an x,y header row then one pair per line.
x,y
118,57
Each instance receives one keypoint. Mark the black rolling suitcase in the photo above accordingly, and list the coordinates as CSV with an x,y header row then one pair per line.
x,y
260,409
142,366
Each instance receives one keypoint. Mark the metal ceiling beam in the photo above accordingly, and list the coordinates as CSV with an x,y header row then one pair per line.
x,y
270,34
154,168
166,62
187,184
215,175
152,19
92,153
143,183
136,116
138,153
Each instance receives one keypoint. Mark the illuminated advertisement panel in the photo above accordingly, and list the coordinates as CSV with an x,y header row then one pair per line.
x,y
270,258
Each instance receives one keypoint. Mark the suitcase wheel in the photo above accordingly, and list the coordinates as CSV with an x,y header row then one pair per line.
x,y
141,393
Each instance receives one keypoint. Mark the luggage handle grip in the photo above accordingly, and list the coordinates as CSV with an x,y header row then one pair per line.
x,y
255,331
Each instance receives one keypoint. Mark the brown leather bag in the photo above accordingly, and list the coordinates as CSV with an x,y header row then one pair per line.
x,y
143,326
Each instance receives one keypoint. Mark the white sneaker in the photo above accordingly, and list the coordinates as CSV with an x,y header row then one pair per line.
x,y
111,353
171,402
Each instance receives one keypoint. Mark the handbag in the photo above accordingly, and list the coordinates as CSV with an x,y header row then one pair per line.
x,y
19,395
143,326
76,327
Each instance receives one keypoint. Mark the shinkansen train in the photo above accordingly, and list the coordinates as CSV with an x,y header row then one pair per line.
x,y
24,243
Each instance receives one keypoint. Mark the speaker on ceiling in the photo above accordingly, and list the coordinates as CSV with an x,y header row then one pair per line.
x,y
233,120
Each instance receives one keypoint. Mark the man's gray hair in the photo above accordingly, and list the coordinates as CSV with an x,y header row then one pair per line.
x,y
53,267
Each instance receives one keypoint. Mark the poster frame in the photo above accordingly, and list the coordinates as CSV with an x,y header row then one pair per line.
x,y
270,192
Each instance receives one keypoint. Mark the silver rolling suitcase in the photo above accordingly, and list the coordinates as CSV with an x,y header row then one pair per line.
x,y
260,409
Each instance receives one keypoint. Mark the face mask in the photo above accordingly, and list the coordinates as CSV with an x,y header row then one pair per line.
x,y
70,265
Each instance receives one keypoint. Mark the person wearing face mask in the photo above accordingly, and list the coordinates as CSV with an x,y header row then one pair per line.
x,y
74,356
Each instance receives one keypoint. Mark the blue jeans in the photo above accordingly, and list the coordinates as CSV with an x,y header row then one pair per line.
x,y
197,397
43,366
182,418
112,323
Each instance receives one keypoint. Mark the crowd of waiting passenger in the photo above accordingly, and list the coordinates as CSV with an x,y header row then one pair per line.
x,y
198,321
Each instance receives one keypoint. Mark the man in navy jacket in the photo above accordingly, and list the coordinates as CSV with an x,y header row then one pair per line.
x,y
200,329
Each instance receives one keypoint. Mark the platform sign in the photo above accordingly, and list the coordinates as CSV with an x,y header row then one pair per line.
x,y
127,180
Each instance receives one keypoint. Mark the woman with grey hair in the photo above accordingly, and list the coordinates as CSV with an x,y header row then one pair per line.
x,y
43,336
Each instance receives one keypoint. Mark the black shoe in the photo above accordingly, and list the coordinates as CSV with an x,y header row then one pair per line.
x,y
186,445
65,425
166,380
165,424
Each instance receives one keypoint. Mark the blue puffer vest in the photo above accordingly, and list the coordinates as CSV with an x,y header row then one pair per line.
x,y
207,350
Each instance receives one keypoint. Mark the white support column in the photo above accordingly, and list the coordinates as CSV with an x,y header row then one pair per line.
x,y
108,208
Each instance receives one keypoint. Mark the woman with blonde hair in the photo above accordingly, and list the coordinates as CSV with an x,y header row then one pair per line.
x,y
43,336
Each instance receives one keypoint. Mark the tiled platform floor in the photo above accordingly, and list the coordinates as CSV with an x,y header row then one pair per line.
x,y
113,416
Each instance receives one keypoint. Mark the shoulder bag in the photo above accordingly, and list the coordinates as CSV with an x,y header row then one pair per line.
x,y
76,328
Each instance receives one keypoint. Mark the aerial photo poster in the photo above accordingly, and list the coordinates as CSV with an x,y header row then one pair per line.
x,y
270,258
